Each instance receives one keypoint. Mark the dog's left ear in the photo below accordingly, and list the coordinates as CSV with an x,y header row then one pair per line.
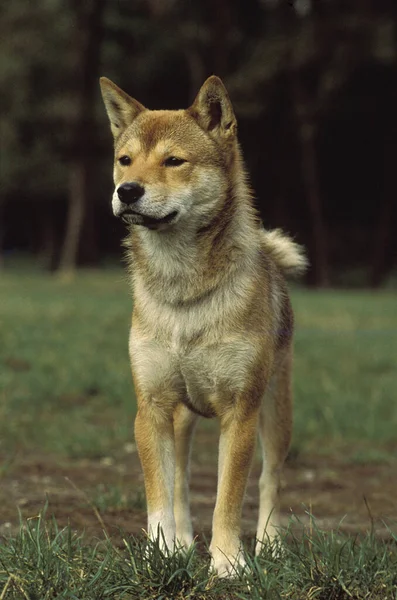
x,y
214,111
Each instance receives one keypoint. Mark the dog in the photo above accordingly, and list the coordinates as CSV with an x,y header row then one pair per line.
x,y
212,322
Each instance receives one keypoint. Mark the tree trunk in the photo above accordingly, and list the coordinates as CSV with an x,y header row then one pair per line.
x,y
89,38
319,270
303,109
380,265
88,247
1,232
77,202
221,24
47,248
196,69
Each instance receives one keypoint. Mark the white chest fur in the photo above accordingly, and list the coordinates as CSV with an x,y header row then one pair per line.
x,y
193,350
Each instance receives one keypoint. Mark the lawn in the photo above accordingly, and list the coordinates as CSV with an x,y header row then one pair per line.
x,y
64,360
66,420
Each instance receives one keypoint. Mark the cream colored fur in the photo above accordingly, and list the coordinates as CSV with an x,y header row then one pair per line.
x,y
288,255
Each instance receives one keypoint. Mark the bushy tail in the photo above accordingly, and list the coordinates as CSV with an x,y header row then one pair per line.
x,y
288,256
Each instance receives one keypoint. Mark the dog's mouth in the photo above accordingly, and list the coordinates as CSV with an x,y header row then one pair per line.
x,y
134,218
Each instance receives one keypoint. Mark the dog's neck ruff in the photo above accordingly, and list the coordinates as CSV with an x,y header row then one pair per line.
x,y
185,265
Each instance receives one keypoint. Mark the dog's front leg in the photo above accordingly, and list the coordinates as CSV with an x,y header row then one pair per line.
x,y
184,424
154,436
236,449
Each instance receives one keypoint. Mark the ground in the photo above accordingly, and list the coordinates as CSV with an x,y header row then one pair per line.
x,y
340,495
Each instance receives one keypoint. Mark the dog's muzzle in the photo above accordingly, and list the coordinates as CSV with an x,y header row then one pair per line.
x,y
131,211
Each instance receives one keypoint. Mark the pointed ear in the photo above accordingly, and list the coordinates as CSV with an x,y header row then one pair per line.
x,y
120,107
214,111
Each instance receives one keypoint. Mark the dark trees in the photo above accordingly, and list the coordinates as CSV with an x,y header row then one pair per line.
x,y
291,70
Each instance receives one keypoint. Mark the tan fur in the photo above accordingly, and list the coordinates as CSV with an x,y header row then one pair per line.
x,y
212,324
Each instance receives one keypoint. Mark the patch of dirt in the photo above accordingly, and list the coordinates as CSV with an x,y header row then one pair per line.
x,y
353,498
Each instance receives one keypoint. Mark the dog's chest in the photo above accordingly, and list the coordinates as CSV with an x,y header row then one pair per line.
x,y
207,373
194,351
215,374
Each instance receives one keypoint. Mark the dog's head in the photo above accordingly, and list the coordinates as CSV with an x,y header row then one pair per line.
x,y
171,166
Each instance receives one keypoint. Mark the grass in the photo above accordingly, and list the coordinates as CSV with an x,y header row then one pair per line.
x,y
65,384
114,497
66,391
45,562
345,375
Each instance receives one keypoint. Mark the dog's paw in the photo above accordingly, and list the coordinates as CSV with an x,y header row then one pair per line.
x,y
184,539
161,531
227,564
274,546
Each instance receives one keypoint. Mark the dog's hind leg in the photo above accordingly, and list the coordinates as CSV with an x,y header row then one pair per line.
x,y
275,428
184,424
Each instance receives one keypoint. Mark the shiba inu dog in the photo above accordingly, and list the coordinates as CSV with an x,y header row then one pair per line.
x,y
212,322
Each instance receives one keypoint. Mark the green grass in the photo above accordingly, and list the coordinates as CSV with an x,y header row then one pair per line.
x,y
44,562
114,497
345,367
66,390
65,384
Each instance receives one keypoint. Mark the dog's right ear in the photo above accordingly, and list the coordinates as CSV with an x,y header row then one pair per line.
x,y
120,107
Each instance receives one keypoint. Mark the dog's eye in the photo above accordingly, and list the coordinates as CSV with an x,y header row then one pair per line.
x,y
173,161
125,160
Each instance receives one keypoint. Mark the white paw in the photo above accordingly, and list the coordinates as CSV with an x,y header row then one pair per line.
x,y
227,564
161,529
274,544
184,539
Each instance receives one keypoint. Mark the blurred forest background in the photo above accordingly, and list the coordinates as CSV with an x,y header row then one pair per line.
x,y
313,82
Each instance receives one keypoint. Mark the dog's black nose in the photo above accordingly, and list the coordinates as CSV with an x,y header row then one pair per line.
x,y
130,192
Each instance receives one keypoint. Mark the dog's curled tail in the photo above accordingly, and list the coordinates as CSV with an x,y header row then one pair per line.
x,y
288,255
